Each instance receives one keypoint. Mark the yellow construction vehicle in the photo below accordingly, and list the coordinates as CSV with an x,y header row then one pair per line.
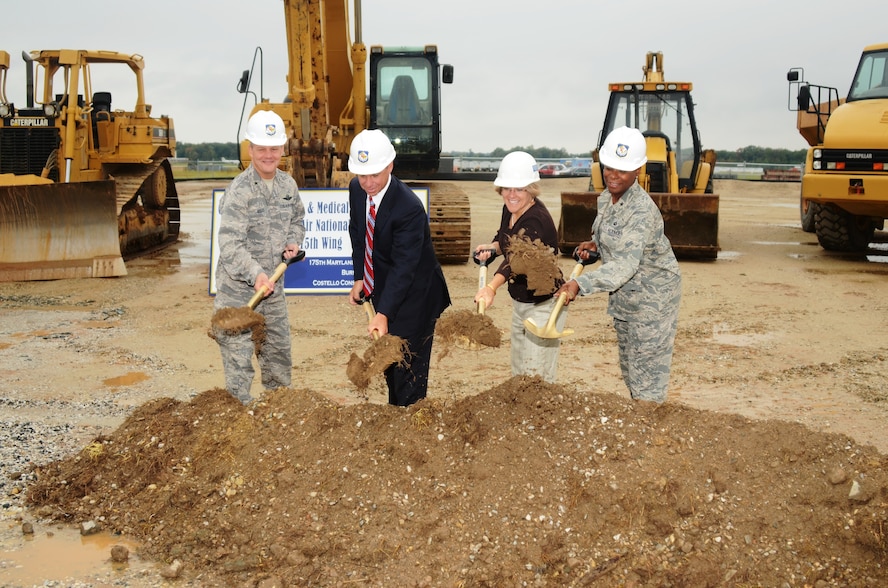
x,y
678,173
83,184
327,105
844,196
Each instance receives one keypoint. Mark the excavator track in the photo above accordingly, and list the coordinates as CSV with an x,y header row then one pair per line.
x,y
450,221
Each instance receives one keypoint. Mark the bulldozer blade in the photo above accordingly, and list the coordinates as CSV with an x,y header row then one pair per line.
x,y
690,222
56,231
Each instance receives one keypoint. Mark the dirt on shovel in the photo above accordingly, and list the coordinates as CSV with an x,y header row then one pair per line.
x,y
236,320
466,329
537,261
386,351
383,352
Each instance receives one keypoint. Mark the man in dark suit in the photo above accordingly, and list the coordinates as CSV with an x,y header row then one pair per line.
x,y
401,275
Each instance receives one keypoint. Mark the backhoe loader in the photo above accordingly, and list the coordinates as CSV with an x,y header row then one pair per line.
x,y
82,184
327,105
678,172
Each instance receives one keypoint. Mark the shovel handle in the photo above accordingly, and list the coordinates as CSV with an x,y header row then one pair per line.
x,y
593,256
482,272
371,312
278,272
484,262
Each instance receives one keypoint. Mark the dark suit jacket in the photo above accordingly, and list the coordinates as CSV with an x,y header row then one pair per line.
x,y
410,288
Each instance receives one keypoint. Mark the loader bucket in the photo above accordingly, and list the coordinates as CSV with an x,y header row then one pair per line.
x,y
52,231
690,221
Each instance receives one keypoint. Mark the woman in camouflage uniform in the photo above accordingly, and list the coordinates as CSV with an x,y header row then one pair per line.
x,y
638,270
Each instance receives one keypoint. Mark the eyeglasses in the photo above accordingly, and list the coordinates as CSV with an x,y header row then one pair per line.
x,y
518,190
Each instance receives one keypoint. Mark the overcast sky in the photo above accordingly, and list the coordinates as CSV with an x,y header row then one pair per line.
x,y
526,73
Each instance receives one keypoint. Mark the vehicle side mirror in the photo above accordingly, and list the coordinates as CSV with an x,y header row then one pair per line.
x,y
792,75
447,74
244,83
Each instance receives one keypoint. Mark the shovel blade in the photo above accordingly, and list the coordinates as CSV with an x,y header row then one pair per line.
x,y
550,330
546,331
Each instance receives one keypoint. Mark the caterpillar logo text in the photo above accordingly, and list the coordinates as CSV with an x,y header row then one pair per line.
x,y
29,122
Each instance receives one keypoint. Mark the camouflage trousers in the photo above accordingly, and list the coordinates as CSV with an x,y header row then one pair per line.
x,y
273,357
532,355
645,348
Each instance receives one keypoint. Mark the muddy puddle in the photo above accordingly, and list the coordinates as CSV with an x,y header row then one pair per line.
x,y
59,553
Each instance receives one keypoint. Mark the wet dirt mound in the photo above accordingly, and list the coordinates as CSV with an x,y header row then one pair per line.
x,y
525,483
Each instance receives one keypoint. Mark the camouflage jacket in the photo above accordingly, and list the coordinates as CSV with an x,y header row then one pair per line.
x,y
638,267
256,225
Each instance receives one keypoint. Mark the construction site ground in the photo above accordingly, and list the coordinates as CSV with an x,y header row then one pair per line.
x,y
765,467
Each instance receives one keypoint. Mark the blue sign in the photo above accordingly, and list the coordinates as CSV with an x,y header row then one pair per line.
x,y
327,267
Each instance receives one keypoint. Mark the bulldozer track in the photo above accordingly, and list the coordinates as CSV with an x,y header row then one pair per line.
x,y
130,181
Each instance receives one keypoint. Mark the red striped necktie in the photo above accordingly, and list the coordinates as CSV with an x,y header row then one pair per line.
x,y
368,249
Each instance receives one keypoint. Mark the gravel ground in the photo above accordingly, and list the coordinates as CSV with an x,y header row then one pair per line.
x,y
776,329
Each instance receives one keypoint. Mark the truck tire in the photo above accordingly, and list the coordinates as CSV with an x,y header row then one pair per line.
x,y
807,212
839,230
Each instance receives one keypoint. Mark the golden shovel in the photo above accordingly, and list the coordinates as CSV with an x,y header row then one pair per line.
x,y
384,351
233,320
550,330
469,340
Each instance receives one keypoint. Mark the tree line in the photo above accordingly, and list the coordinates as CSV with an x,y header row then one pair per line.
x,y
750,154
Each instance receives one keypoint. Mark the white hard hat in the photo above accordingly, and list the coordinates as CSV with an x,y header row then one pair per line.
x,y
266,128
371,151
517,170
624,149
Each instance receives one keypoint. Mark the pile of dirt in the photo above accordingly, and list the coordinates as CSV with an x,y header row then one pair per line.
x,y
524,484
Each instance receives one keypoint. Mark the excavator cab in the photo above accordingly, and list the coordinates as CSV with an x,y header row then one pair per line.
x,y
405,103
678,172
329,101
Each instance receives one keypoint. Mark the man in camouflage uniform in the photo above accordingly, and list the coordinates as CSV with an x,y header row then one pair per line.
x,y
638,269
261,220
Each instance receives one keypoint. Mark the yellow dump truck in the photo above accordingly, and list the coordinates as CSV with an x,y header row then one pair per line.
x,y
844,195
84,184
677,175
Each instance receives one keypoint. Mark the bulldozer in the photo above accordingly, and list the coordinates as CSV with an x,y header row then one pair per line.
x,y
83,185
678,172
327,104
844,194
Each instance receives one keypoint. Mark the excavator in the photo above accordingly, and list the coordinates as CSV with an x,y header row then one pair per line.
x,y
327,104
678,172
83,184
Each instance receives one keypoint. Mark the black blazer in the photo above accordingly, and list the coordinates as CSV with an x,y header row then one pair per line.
x,y
409,284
